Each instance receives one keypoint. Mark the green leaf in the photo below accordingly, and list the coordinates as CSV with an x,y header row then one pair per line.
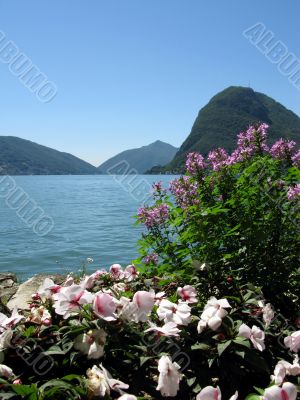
x,y
200,346
223,346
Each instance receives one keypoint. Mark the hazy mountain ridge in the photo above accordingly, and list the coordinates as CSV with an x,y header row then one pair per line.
x,y
141,159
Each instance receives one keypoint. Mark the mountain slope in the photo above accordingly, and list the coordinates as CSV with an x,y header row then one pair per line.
x,y
22,157
141,159
230,112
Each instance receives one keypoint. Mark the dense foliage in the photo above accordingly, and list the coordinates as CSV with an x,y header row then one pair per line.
x,y
231,111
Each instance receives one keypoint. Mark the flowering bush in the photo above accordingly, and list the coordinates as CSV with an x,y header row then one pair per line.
x,y
232,220
119,334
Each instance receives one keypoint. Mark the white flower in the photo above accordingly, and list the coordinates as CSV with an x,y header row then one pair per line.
x,y
91,343
293,341
10,322
116,271
268,312
130,273
295,367
188,293
234,396
127,397
48,288
209,393
254,334
168,329
284,368
170,312
169,377
6,371
69,300
288,391
213,314
100,382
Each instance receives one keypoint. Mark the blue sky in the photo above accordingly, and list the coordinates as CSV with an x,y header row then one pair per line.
x,y
130,72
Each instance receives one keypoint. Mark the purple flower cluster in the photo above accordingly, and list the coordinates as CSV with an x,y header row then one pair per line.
x,y
195,163
293,192
153,216
185,191
249,143
296,159
283,149
151,259
157,188
218,158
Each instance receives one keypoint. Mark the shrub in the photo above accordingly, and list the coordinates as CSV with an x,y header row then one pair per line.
x,y
237,215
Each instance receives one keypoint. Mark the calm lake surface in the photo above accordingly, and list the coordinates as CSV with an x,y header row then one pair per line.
x,y
92,215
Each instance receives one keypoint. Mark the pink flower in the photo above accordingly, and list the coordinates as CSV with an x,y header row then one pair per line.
x,y
168,329
169,377
293,192
288,391
209,393
282,149
188,294
153,216
213,314
185,191
296,159
195,163
254,334
130,273
116,271
70,300
218,158
104,306
293,341
179,313
144,302
151,259
89,281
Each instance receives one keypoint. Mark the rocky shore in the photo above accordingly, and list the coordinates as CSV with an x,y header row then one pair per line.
x,y
15,294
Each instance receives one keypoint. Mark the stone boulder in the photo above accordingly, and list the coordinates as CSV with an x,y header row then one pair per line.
x,y
22,298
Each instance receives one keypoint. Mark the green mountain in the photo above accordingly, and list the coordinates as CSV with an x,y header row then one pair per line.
x,y
22,157
140,160
230,112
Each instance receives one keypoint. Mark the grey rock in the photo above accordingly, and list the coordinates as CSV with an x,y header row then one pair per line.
x,y
22,298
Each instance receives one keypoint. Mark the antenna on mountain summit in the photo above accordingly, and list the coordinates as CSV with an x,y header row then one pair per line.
x,y
249,86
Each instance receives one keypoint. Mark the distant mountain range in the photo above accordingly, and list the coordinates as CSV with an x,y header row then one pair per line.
x,y
22,157
141,159
216,125
230,112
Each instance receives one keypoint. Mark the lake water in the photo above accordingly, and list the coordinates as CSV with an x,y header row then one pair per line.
x,y
92,217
